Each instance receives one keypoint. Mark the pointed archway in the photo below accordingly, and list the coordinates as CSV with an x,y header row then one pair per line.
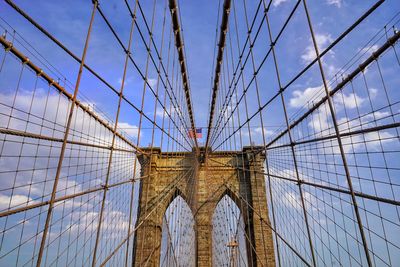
x,y
178,235
228,234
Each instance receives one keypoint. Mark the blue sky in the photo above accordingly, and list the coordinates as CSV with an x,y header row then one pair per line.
x,y
67,21
355,108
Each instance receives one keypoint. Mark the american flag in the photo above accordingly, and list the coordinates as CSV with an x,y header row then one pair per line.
x,y
197,134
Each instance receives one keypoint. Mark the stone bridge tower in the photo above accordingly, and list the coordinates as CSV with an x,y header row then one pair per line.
x,y
202,184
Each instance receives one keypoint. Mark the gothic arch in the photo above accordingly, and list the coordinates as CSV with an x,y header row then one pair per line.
x,y
178,235
235,199
172,196
210,183
229,242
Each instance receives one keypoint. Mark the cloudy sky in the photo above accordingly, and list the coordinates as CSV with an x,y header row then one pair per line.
x,y
365,106
68,20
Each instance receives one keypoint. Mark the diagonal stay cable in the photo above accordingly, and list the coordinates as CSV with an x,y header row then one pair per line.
x,y
273,43
100,78
154,63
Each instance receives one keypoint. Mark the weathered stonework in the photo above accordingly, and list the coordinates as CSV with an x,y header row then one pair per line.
x,y
203,183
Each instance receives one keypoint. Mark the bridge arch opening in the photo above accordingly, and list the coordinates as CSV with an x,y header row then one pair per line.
x,y
178,236
228,234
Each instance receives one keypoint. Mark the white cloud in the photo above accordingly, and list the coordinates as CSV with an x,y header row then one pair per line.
x,y
68,186
375,115
368,120
375,139
152,82
300,98
258,130
160,112
115,223
15,200
128,80
321,124
320,121
257,134
309,54
330,69
373,92
56,108
291,200
371,141
349,101
131,130
368,50
52,107
337,3
26,222
43,106
73,204
276,3
323,40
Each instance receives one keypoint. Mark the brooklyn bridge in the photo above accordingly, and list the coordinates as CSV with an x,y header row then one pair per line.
x,y
200,133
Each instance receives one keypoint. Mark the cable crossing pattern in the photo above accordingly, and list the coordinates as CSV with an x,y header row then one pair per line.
x,y
100,164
